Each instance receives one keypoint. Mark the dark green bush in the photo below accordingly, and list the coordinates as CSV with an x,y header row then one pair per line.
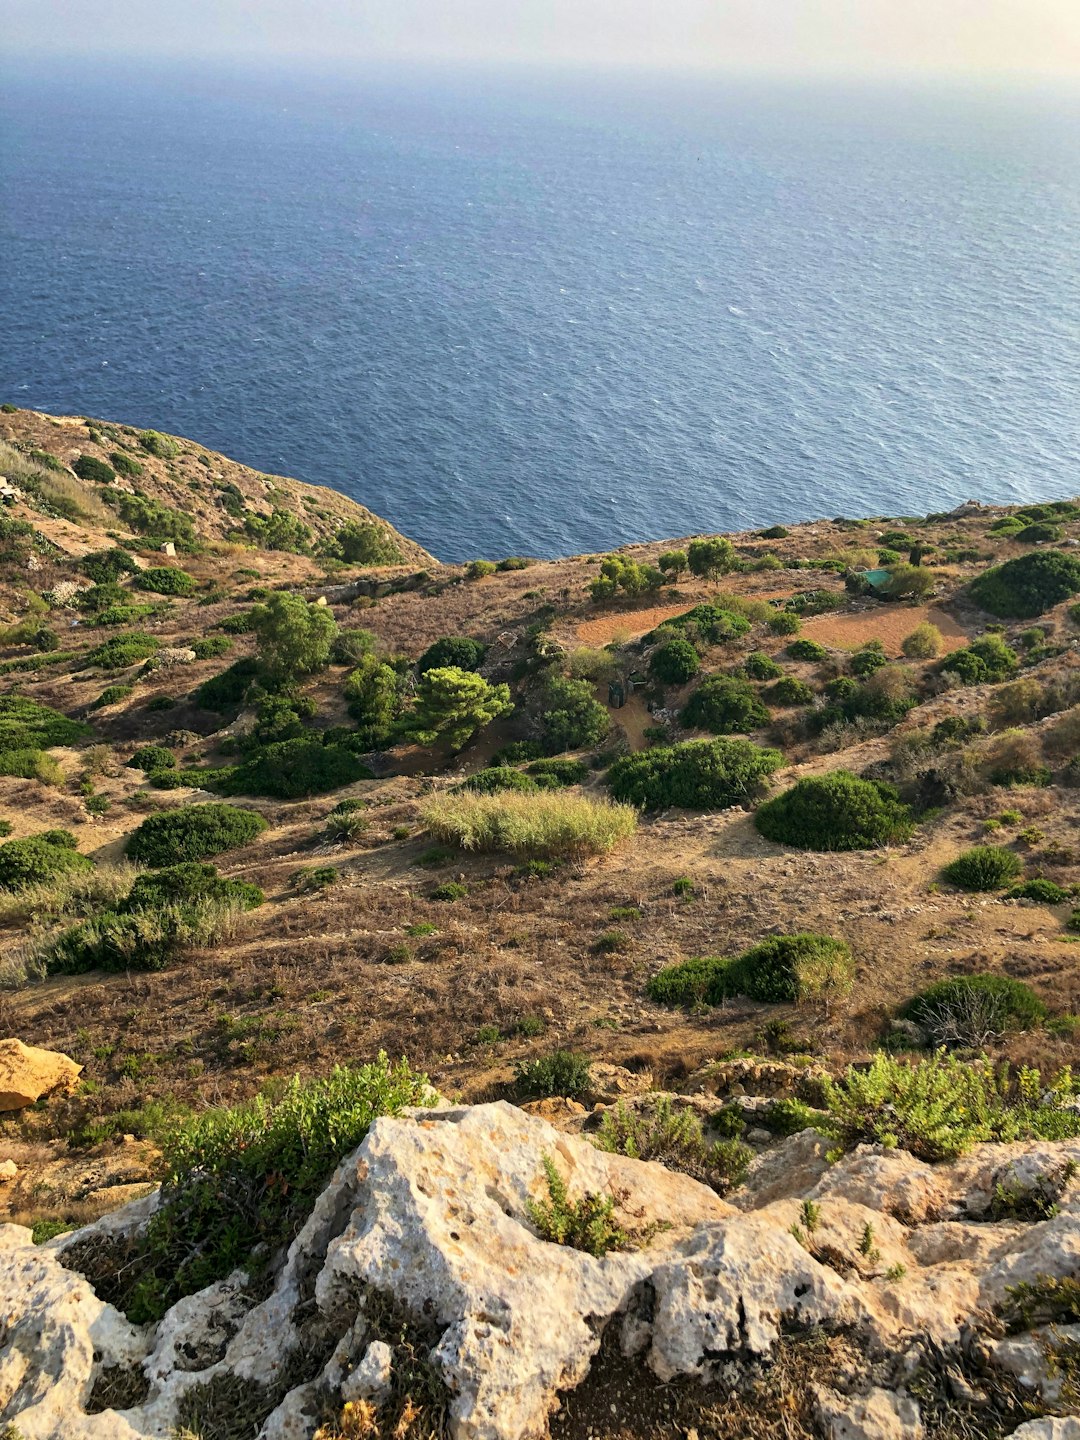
x,y
789,691
782,968
1040,532
696,775
449,890
89,467
570,717
704,625
970,1010
280,530
456,650
1028,585
774,532
165,580
351,646
674,662
362,542
120,651
869,658
39,857
152,757
983,662
563,1072
784,622
112,695
724,706
229,689
807,650
835,812
240,623
374,692
983,867
27,725
193,832
125,465
147,516
759,666
208,647
554,773
106,566
496,778
1039,888
288,769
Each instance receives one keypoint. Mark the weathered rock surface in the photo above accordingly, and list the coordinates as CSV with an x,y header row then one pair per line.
x,y
27,1073
430,1218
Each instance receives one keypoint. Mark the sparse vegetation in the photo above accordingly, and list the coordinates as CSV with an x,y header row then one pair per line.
x,y
547,825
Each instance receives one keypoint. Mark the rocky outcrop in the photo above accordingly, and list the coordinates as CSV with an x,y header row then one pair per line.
x,y
27,1073
423,1239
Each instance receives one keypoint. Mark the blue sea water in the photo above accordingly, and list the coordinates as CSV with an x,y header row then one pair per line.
x,y
550,313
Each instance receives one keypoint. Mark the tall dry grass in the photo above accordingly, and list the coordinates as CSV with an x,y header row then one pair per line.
x,y
553,825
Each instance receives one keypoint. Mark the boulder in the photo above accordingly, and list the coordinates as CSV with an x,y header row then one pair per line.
x,y
878,1415
27,1073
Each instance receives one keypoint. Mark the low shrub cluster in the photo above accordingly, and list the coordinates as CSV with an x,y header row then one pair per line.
x,y
218,1212
676,1139
724,705
457,650
778,970
548,825
983,867
120,651
38,858
563,1072
704,625
1027,586
26,725
940,1108
675,662
165,580
983,662
193,832
586,1224
291,769
969,1011
838,811
696,775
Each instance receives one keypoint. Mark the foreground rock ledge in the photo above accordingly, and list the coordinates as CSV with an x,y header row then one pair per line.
x,y
430,1212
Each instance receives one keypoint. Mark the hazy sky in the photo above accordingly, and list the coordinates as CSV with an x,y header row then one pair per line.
x,y
789,35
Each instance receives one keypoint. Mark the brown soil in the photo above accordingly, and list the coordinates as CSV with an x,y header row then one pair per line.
x,y
888,623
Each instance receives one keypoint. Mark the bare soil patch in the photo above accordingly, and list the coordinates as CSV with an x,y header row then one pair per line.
x,y
887,623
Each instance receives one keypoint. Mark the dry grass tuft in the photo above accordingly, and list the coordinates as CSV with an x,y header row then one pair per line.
x,y
555,825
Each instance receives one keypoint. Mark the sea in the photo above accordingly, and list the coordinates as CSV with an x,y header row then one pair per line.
x,y
538,312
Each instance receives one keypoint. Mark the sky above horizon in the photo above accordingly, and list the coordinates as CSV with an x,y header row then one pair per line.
x,y
792,36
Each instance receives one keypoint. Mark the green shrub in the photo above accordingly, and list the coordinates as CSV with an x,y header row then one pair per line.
x,y
789,691
497,778
362,542
759,666
724,706
451,705
289,769
970,1011
165,580
311,879
146,516
230,688
216,1210
207,647
696,775
774,532
676,1139
674,662
112,695
711,558
280,530
39,857
27,725
31,765
89,467
705,625
835,812
1047,891
983,867
294,637
152,757
941,1108
868,658
983,662
456,650
120,651
1028,585
351,646
1040,532
449,890
630,576
923,643
548,824
587,1224
374,694
125,465
241,623
784,622
193,832
782,968
564,1073
477,569
163,446
104,567
185,883
554,773
570,717
807,650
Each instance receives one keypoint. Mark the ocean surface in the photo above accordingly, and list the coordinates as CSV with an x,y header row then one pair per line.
x,y
529,313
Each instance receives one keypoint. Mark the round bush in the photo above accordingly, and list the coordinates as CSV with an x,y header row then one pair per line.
x,y
554,774
152,757
186,883
456,650
983,662
785,622
564,1072
165,580
1028,585
697,775
674,662
39,857
789,691
193,832
288,769
838,811
1047,891
89,467
781,969
971,1009
983,867
807,650
496,778
923,643
760,666
725,706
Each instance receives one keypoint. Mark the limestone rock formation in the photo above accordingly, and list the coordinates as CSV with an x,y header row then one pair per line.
x,y
425,1230
27,1073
